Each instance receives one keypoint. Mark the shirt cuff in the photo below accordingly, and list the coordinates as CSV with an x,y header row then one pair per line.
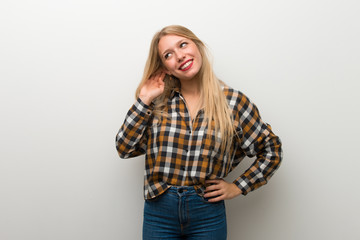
x,y
143,109
244,184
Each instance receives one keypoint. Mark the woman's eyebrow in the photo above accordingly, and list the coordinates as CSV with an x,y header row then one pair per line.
x,y
177,43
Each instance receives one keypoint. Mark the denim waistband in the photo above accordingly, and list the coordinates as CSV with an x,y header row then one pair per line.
x,y
181,189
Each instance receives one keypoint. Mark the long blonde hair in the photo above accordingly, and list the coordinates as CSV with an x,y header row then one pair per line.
x,y
215,105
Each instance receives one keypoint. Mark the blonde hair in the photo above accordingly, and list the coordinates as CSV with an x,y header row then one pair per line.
x,y
215,105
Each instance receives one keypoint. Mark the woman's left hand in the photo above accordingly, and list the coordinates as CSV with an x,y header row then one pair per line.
x,y
219,190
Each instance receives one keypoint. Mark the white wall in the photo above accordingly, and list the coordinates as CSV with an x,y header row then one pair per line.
x,y
68,72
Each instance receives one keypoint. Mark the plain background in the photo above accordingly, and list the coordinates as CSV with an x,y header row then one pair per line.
x,y
69,70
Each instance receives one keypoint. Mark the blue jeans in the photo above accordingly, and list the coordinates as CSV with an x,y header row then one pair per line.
x,y
180,213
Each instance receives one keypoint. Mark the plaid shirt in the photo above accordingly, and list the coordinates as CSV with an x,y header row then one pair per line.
x,y
181,152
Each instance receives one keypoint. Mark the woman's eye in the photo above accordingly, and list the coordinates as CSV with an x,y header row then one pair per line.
x,y
183,44
166,56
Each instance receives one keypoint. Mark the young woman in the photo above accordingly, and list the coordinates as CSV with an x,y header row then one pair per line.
x,y
193,130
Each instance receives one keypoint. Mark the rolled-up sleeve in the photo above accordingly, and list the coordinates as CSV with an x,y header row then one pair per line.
x,y
256,139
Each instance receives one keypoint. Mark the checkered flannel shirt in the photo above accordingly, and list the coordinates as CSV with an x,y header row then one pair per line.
x,y
181,152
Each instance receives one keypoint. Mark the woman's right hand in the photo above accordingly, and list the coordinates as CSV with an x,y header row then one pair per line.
x,y
153,87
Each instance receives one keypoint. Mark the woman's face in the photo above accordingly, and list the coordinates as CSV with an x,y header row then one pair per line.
x,y
180,56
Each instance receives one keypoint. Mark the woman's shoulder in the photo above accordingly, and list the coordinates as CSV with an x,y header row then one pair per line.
x,y
233,96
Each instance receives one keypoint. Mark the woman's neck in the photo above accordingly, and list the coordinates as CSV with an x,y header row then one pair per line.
x,y
190,87
190,90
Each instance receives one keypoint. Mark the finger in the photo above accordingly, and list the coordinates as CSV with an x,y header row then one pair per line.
x,y
212,188
213,194
161,77
155,75
163,74
212,181
217,199
151,78
156,78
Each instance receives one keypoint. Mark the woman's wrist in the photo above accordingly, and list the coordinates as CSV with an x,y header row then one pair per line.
x,y
146,99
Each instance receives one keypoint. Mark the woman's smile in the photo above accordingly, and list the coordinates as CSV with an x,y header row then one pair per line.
x,y
186,65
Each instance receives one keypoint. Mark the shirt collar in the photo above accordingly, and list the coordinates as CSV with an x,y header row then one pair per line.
x,y
174,92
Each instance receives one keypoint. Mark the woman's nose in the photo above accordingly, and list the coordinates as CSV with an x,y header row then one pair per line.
x,y
180,56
